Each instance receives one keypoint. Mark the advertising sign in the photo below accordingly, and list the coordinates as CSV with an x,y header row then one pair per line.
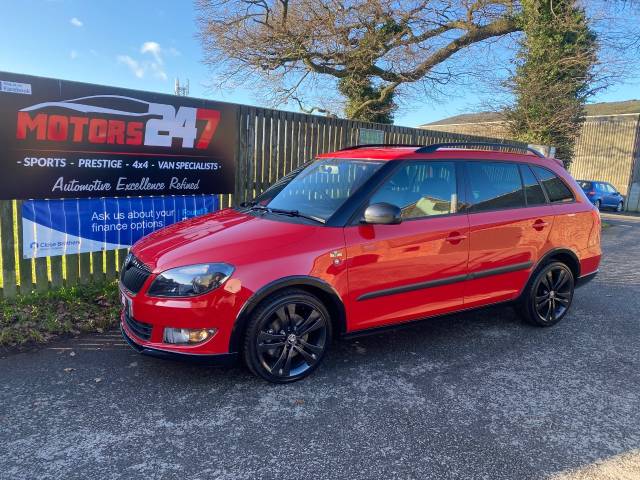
x,y
66,226
66,139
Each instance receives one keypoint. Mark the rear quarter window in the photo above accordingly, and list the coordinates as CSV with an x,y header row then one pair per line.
x,y
557,190
532,189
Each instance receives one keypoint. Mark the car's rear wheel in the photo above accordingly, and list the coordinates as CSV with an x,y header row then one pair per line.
x,y
549,294
619,207
598,204
287,336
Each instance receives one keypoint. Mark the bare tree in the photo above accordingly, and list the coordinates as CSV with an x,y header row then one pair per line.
x,y
371,50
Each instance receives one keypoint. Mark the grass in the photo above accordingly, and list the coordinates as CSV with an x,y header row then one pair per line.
x,y
38,318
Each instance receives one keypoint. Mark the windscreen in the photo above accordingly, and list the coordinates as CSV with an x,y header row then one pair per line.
x,y
322,187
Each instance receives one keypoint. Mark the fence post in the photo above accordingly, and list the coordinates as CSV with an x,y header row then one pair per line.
x,y
57,280
260,153
7,245
276,132
110,269
42,275
250,153
24,274
72,267
241,142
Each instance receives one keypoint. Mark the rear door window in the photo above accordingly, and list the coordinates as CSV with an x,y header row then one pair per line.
x,y
494,186
556,189
532,190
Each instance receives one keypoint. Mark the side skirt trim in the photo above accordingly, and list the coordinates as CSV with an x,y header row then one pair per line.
x,y
413,322
445,281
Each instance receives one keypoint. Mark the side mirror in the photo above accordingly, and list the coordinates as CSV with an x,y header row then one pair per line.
x,y
382,214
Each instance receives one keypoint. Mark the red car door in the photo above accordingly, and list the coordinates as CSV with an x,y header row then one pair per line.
x,y
508,230
416,268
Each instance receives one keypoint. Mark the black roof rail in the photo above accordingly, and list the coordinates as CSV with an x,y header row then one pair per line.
x,y
436,146
378,145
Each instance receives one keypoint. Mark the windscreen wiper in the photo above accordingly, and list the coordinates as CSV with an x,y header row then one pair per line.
x,y
281,211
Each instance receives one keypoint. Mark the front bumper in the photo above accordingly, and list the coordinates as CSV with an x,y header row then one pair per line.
x,y
217,359
150,315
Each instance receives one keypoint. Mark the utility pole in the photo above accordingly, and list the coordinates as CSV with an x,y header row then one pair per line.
x,y
181,91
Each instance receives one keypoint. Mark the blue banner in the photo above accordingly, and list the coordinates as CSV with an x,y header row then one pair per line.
x,y
66,226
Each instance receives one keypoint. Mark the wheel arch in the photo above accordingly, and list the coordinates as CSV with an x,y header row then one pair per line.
x,y
315,286
564,255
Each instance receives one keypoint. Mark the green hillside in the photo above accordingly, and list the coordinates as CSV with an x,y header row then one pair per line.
x,y
604,108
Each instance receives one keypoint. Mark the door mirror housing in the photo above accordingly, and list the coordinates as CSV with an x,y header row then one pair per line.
x,y
382,214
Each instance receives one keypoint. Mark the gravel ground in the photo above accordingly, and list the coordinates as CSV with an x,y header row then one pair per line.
x,y
476,395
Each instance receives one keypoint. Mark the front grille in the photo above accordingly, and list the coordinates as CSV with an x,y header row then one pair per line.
x,y
139,329
134,273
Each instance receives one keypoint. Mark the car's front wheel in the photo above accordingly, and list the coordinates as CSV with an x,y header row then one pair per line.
x,y
548,295
619,207
287,336
598,204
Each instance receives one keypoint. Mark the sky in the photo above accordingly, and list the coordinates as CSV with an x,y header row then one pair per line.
x,y
146,44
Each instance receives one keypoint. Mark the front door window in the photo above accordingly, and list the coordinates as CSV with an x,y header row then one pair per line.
x,y
421,189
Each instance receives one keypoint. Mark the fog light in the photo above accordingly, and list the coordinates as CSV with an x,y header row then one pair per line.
x,y
187,336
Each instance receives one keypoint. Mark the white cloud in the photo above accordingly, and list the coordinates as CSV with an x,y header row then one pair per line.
x,y
73,54
76,22
151,61
154,49
133,65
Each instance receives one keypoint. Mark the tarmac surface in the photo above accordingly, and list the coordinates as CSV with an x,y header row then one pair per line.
x,y
478,395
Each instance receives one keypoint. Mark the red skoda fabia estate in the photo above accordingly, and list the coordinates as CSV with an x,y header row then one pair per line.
x,y
363,238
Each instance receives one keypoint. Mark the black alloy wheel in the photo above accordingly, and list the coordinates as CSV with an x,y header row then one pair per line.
x,y
287,337
549,295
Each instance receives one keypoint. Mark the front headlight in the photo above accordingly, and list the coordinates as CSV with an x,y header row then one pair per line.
x,y
191,280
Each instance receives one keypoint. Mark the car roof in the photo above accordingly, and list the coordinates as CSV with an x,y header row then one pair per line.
x,y
391,153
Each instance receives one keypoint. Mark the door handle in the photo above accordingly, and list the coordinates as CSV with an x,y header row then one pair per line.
x,y
540,224
455,238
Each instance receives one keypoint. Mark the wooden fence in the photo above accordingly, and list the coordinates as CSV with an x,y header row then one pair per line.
x,y
270,144
607,149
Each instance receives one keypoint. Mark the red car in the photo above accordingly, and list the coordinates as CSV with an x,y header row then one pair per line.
x,y
360,239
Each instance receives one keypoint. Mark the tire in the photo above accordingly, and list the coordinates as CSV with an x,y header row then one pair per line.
x,y
619,207
598,204
287,336
548,295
